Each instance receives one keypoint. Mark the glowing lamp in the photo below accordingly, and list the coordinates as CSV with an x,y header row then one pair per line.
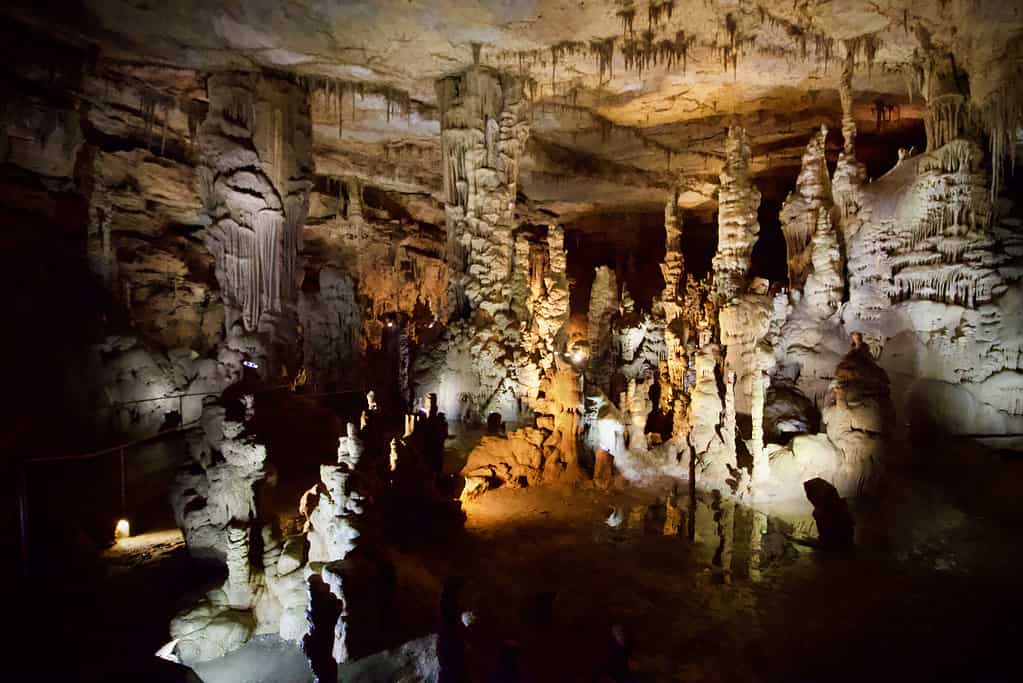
x,y
390,323
578,356
122,530
250,364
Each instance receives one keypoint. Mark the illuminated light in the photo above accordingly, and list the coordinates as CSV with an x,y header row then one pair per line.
x,y
250,364
122,530
578,356
390,323
432,324
167,652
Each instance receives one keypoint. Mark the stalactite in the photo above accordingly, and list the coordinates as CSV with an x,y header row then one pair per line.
x,y
658,11
945,118
604,50
628,16
867,46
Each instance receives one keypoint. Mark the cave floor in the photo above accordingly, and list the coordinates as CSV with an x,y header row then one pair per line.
x,y
929,594
926,596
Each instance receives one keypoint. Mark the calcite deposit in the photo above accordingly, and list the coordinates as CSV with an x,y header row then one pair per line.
x,y
345,267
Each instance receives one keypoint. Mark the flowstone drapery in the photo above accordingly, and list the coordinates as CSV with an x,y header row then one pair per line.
x,y
255,150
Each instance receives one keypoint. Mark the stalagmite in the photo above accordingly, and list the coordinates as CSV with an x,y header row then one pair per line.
x,y
728,425
603,307
761,463
799,214
849,173
672,304
825,286
483,133
738,227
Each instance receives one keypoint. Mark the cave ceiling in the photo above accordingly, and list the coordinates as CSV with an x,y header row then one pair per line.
x,y
629,98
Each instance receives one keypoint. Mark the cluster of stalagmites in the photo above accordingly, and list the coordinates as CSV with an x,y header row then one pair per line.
x,y
327,587
814,262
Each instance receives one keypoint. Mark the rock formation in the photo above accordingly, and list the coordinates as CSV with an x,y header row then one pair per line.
x,y
801,215
254,181
738,200
604,306
217,486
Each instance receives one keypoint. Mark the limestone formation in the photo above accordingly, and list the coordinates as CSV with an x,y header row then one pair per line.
x,y
861,421
604,306
801,213
229,228
217,486
738,227
483,132
255,149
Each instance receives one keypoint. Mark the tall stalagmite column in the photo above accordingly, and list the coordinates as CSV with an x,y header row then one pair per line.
x,y
673,270
849,173
738,227
603,308
799,213
483,133
254,179
728,422
763,362
551,309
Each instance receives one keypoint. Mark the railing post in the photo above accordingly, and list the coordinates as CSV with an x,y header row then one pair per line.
x,y
124,508
23,516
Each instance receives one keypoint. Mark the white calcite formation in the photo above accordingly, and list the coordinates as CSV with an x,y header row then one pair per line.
x,y
270,594
800,214
217,485
677,326
333,528
744,322
861,421
825,286
254,180
705,418
215,505
738,227
483,132
852,454
849,173
934,280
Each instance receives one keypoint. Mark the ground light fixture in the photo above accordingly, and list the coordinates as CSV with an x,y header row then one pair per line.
x,y
122,529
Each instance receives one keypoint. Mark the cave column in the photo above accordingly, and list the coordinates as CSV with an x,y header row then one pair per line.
x,y
728,427
849,174
762,363
483,134
800,212
604,305
738,227
673,271
255,174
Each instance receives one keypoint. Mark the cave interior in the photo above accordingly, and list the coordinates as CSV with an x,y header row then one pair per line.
x,y
561,340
